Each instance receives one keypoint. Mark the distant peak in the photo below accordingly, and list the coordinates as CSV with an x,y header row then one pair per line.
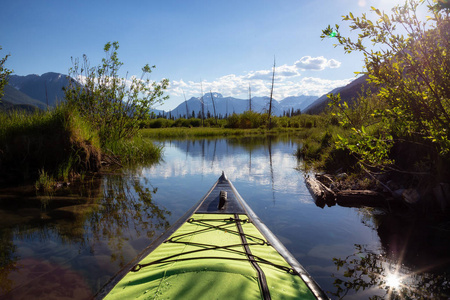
x,y
214,94
217,95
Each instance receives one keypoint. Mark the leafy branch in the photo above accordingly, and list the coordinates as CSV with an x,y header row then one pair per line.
x,y
114,105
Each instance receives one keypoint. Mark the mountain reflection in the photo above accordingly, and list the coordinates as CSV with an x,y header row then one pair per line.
x,y
243,157
85,233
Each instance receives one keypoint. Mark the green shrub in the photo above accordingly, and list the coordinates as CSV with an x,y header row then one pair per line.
x,y
160,123
111,105
179,122
195,122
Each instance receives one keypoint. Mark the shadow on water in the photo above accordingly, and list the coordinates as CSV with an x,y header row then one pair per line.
x,y
77,237
414,262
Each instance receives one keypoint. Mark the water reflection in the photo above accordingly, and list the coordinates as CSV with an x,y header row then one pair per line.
x,y
263,171
251,157
414,262
376,277
73,245
8,260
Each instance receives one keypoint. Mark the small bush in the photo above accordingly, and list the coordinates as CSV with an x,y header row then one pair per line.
x,y
160,123
179,122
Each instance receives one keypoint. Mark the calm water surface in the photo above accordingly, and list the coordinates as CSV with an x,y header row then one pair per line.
x,y
70,244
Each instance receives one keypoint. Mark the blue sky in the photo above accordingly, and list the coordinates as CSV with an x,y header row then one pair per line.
x,y
224,45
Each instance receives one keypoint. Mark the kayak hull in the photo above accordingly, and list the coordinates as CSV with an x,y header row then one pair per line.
x,y
220,249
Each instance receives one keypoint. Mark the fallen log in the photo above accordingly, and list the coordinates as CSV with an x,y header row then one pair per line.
x,y
321,194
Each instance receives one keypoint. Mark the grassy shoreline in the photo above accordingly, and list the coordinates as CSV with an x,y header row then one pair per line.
x,y
202,132
59,145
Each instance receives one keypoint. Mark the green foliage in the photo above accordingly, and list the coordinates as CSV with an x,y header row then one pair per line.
x,y
115,106
58,141
314,143
410,66
132,151
159,123
45,182
372,144
4,72
246,120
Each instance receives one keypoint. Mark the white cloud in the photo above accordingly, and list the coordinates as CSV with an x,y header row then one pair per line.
x,y
288,82
332,63
311,63
316,63
263,75
280,73
287,71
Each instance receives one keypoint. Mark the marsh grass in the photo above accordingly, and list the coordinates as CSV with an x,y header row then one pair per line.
x,y
52,144
59,145
137,150
205,132
45,182
318,147
245,124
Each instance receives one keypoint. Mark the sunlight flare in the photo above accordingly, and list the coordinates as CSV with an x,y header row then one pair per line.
x,y
393,281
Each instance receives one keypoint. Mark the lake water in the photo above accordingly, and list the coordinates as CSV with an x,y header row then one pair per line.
x,y
69,244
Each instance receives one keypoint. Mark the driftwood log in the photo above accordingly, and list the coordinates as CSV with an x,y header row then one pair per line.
x,y
322,194
348,198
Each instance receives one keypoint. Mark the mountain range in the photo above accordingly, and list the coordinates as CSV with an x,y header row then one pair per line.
x,y
228,105
33,92
348,94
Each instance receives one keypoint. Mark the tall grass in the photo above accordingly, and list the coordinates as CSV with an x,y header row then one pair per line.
x,y
132,151
246,120
203,132
56,143
318,144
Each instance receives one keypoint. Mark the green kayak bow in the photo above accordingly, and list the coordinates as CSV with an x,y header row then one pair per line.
x,y
219,249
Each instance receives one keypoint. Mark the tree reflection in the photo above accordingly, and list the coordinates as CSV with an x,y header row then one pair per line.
x,y
86,223
365,270
127,205
8,259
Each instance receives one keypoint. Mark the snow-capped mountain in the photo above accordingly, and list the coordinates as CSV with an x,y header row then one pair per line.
x,y
229,105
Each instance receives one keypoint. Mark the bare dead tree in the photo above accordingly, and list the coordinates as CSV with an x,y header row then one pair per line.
x,y
203,105
214,106
249,98
187,110
271,95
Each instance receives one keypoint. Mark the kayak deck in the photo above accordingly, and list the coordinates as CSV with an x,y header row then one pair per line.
x,y
216,253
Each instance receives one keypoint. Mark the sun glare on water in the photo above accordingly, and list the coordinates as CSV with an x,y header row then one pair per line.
x,y
393,281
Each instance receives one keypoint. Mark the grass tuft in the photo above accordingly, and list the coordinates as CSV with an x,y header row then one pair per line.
x,y
57,141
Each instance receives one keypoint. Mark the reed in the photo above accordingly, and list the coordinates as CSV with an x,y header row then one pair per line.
x,y
132,151
182,132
